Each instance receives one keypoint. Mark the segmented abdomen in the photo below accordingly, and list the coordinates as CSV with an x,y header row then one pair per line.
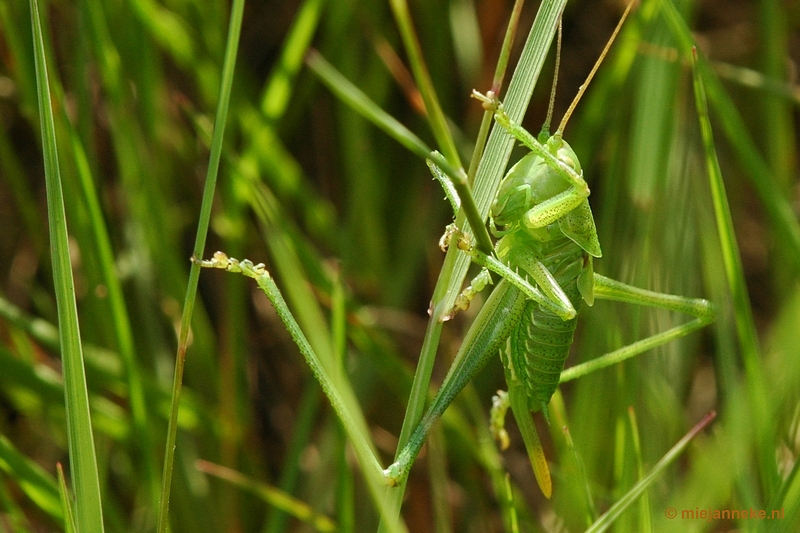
x,y
539,346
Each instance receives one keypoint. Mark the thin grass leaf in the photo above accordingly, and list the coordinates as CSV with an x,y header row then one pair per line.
x,y
775,202
776,108
558,414
272,496
746,329
277,93
361,103
234,30
89,515
645,520
433,109
66,501
610,516
37,484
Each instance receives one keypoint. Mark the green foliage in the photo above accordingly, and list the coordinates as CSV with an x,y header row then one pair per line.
x,y
347,219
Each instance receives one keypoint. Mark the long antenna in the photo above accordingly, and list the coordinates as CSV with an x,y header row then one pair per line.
x,y
577,99
545,133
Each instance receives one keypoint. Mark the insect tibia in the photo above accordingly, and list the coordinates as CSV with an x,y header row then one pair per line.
x,y
447,184
497,419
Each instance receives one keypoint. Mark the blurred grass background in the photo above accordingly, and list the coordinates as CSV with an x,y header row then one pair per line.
x,y
349,222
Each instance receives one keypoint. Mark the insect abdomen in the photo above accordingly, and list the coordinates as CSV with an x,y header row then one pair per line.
x,y
540,346
546,340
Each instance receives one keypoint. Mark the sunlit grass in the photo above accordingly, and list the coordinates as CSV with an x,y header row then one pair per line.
x,y
348,221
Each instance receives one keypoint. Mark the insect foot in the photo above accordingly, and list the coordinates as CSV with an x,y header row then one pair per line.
x,y
394,475
222,261
488,100
497,418
447,236
218,260
463,242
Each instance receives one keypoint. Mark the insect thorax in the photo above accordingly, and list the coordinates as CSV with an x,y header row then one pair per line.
x,y
533,181
530,182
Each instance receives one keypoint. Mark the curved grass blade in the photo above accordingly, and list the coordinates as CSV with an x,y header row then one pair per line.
x,y
776,204
89,515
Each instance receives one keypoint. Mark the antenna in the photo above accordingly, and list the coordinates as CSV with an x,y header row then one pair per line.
x,y
577,99
545,133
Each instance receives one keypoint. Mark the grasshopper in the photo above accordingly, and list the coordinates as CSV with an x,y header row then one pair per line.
x,y
544,257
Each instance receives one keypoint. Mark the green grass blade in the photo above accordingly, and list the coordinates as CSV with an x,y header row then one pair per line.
x,y
277,94
234,30
745,326
777,109
361,103
776,203
580,487
66,501
436,118
37,484
645,519
355,98
89,515
610,516
272,496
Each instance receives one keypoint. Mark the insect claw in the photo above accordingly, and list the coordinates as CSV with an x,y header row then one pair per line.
x,y
463,244
489,100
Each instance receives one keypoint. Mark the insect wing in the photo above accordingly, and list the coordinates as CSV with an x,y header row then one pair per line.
x,y
579,226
